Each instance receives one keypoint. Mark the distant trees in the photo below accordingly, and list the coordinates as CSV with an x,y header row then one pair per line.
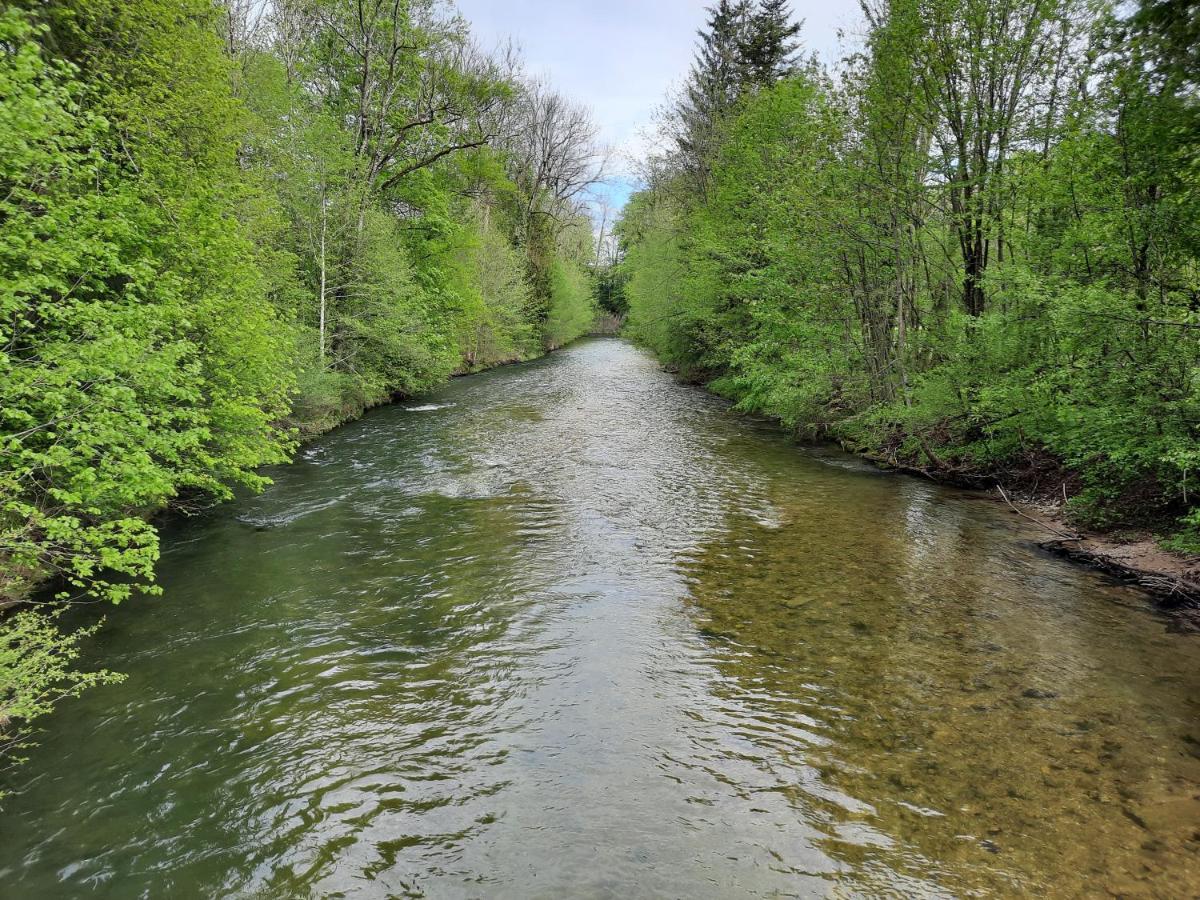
x,y
553,157
422,154
552,151
977,249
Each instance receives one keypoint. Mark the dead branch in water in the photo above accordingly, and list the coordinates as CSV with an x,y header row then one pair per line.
x,y
1066,536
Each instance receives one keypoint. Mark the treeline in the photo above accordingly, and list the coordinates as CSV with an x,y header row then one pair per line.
x,y
974,248
224,226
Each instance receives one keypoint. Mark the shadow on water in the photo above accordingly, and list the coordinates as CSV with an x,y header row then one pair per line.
x,y
572,629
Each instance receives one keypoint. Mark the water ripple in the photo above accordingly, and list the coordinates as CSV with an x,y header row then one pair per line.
x,y
577,630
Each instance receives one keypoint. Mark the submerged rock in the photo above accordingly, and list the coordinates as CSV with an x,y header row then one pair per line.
x,y
1039,694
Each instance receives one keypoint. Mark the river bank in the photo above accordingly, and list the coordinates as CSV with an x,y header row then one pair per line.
x,y
571,628
1133,556
15,593
1036,490
38,651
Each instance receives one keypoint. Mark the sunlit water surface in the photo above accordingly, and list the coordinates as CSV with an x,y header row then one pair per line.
x,y
571,629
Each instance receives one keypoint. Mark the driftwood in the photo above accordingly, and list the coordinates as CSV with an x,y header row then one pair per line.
x,y
1174,593
1063,535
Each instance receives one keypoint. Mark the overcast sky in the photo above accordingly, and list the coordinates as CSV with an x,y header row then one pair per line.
x,y
620,57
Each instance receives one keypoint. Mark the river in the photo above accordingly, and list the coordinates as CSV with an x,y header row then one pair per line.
x,y
571,629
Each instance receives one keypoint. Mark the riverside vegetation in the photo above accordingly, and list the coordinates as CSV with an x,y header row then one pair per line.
x,y
224,227
972,250
573,629
227,226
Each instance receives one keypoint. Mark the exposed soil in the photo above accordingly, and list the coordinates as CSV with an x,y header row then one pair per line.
x,y
1036,489
1172,578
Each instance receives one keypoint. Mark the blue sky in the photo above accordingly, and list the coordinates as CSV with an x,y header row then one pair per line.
x,y
620,57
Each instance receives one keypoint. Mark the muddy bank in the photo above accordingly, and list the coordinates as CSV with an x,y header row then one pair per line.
x,y
1172,579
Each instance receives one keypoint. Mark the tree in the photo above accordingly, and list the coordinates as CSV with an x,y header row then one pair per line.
x,y
1172,29
225,223
715,83
979,67
977,253
770,44
553,158
412,86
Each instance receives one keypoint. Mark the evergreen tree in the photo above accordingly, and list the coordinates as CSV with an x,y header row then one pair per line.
x,y
743,46
716,81
768,50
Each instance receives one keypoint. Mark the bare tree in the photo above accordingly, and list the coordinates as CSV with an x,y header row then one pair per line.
x,y
242,23
553,152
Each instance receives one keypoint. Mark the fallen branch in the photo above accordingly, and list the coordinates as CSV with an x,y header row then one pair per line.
x,y
1066,536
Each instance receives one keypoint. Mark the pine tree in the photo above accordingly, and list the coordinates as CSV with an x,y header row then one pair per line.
x,y
768,49
718,74
716,81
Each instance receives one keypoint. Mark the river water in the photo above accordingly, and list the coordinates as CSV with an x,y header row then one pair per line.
x,y
571,629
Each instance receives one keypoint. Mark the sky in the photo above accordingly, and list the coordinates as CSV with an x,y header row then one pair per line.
x,y
621,57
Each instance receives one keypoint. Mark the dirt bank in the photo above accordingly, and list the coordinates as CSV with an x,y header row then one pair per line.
x,y
1172,579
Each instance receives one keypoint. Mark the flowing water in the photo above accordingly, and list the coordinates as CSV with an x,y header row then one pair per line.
x,y
571,629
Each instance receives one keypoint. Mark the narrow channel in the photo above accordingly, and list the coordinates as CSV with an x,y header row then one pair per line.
x,y
573,628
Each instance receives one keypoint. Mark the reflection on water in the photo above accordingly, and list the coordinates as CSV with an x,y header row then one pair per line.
x,y
571,629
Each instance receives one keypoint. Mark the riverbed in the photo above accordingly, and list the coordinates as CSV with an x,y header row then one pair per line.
x,y
572,629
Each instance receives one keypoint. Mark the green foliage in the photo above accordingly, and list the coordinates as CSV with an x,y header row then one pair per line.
x,y
662,315
908,264
36,671
572,306
495,315
207,249
140,361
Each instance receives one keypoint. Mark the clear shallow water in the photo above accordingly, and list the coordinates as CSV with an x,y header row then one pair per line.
x,y
572,629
